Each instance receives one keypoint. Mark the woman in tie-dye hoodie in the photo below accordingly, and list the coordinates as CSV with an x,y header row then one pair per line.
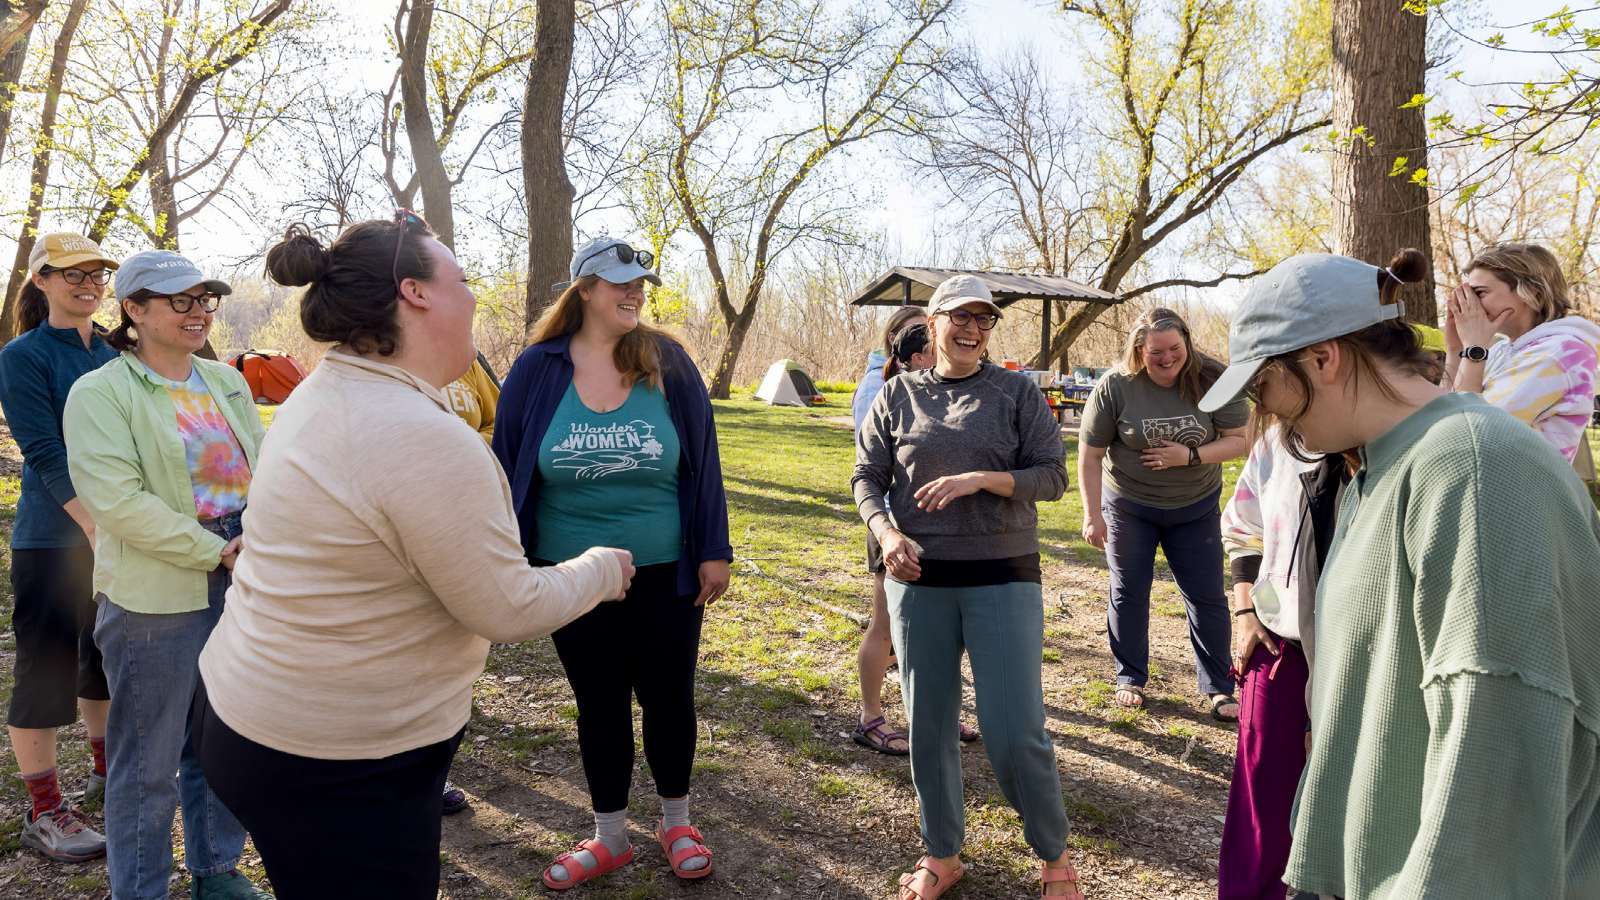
x,y
1512,338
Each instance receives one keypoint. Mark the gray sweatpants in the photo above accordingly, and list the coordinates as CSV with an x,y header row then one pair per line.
x,y
1002,629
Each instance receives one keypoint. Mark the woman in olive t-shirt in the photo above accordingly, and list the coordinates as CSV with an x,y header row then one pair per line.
x,y
1150,475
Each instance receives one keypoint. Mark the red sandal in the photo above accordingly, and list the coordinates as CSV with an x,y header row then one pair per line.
x,y
929,879
1049,875
576,874
699,850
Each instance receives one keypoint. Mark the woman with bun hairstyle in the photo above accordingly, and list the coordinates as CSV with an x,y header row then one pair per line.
x,y
1150,473
1512,337
335,690
606,431
1455,744
56,672
161,445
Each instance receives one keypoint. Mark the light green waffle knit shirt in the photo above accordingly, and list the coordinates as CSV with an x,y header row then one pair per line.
x,y
1456,697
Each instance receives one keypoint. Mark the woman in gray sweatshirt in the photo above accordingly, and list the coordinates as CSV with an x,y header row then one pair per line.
x,y
949,464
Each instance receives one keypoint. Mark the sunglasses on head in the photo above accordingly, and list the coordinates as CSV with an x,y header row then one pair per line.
x,y
407,221
624,254
76,276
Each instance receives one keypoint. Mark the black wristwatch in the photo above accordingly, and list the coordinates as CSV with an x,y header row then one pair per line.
x,y
1476,354
1194,456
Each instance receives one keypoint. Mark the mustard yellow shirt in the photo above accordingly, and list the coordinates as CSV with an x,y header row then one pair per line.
x,y
473,397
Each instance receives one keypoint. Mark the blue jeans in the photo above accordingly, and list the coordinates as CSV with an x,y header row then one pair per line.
x,y
1192,538
1002,628
152,665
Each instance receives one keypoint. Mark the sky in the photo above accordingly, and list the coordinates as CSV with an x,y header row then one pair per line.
x,y
898,207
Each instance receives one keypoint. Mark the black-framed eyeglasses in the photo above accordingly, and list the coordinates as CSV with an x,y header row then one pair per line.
x,y
76,276
182,303
960,318
407,221
624,254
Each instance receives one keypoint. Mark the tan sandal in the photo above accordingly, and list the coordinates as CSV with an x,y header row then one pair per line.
x,y
1049,875
929,879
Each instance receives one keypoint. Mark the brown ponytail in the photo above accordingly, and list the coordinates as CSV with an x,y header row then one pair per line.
x,y
33,307
125,336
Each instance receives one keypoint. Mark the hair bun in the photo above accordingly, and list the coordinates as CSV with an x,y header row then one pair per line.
x,y
1409,265
299,259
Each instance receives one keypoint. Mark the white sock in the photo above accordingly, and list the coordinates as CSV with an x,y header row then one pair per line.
x,y
675,812
610,829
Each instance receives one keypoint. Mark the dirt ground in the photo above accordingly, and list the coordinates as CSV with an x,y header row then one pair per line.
x,y
790,806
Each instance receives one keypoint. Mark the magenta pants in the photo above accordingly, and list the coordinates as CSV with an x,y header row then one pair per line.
x,y
1266,774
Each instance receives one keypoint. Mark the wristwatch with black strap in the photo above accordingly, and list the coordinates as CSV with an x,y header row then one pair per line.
x,y
1194,456
1474,354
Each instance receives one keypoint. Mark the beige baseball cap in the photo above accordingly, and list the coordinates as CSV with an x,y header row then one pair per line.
x,y
63,250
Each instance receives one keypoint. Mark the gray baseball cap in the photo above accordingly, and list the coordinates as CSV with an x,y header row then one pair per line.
x,y
959,290
163,272
613,260
1303,300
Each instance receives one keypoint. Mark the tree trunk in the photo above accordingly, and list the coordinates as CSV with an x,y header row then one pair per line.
x,y
16,22
1379,63
11,64
425,153
738,329
163,228
40,176
545,184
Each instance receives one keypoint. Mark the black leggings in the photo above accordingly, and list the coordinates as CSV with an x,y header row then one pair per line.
x,y
646,645
330,827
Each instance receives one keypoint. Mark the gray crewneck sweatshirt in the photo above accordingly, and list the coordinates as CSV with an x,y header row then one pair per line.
x,y
923,427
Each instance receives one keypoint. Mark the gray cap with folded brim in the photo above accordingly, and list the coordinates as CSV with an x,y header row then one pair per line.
x,y
163,272
1303,300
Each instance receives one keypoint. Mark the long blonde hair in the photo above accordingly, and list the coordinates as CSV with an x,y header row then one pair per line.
x,y
637,355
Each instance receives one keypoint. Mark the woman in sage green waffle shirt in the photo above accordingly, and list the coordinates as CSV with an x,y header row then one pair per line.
x,y
1455,701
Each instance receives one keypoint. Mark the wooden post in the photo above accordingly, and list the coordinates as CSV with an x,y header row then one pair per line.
x,y
1044,335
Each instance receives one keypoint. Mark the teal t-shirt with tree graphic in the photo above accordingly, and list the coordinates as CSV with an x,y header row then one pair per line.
x,y
610,480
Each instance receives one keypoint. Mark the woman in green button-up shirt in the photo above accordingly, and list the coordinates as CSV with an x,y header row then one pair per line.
x,y
160,446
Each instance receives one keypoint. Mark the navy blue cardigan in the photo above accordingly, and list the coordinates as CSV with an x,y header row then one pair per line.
x,y
528,400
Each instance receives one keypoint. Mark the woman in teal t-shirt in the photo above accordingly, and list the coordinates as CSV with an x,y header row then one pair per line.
x,y
606,432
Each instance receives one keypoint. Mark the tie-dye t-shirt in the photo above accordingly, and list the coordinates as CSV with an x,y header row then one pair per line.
x,y
218,468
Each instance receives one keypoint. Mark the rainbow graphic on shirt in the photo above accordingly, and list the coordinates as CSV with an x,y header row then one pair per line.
x,y
218,469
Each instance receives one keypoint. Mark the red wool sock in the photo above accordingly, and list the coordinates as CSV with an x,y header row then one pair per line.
x,y
44,790
97,746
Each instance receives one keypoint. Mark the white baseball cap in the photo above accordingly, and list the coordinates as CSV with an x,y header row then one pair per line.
x,y
959,290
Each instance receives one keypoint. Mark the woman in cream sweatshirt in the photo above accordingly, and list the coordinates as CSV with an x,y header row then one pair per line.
x,y
382,558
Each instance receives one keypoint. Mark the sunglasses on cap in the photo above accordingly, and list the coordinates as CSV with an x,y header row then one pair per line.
x,y
624,254
407,221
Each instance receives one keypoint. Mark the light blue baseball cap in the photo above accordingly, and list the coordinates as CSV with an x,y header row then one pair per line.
x,y
163,272
1302,301
614,260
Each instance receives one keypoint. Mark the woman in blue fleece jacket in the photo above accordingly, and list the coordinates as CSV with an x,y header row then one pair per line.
x,y
606,433
57,668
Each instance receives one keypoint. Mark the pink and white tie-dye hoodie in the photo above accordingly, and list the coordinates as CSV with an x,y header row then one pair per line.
x,y
1547,378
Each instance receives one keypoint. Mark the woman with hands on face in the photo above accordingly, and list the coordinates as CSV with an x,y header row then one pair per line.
x,y
1149,471
950,463
1543,370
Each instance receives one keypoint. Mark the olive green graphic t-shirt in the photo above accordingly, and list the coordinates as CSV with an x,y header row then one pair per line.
x,y
1127,414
